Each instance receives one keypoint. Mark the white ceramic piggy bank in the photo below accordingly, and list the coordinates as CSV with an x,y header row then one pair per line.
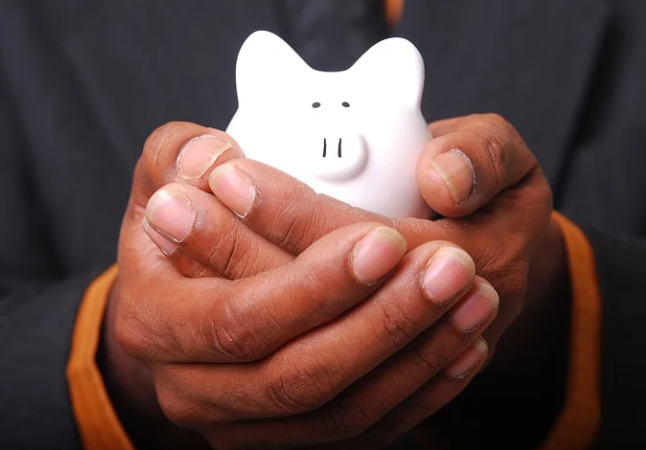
x,y
354,135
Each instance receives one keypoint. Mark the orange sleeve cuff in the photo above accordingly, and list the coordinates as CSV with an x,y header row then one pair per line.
x,y
577,426
96,419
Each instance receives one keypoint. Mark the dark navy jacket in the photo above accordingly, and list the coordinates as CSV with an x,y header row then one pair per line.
x,y
82,83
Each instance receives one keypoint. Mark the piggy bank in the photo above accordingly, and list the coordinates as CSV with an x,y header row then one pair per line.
x,y
354,135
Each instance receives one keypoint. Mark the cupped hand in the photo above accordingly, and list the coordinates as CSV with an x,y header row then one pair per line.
x,y
347,341
477,173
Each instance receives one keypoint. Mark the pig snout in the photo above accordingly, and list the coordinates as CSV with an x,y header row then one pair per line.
x,y
339,157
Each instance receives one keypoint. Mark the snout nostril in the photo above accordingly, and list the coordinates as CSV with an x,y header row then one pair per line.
x,y
345,155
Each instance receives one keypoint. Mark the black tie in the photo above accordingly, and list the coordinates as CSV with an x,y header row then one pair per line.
x,y
332,34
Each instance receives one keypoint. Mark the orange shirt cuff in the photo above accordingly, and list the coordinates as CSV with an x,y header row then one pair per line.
x,y
96,419
577,426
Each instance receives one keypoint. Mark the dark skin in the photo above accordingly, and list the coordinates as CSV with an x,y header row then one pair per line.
x,y
499,213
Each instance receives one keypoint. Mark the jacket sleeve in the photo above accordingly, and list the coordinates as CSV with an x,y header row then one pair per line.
x,y
38,306
621,266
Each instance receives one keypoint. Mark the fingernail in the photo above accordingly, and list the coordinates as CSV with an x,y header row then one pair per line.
x,y
233,189
449,272
170,214
167,247
199,154
456,169
376,254
479,306
469,360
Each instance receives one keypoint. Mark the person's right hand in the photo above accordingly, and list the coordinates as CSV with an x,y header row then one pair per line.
x,y
347,343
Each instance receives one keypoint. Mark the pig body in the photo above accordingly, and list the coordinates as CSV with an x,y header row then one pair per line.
x,y
354,135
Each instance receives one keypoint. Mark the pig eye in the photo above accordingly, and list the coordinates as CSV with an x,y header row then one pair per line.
x,y
316,105
346,104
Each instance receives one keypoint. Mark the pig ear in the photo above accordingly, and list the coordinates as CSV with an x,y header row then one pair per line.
x,y
266,65
392,68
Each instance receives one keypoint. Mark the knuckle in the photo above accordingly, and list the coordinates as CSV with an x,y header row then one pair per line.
x,y
159,134
232,339
431,359
142,329
492,263
499,126
177,409
156,140
504,145
496,156
509,278
496,120
155,145
297,390
230,253
323,306
400,326
223,254
242,259
194,269
129,338
131,331
296,225
298,228
538,197
543,200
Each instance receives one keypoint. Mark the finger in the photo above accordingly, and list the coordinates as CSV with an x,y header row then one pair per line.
x,y
444,126
292,216
281,208
428,400
313,369
470,161
185,221
214,320
356,410
183,151
177,151
183,263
